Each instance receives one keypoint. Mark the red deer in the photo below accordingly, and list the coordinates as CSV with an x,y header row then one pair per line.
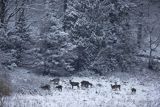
x,y
55,81
59,87
46,87
133,90
74,84
115,87
86,84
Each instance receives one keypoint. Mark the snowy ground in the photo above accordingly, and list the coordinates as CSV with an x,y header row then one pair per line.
x,y
28,94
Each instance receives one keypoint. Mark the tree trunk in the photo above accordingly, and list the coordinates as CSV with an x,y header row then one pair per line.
x,y
2,13
139,35
64,10
150,53
150,60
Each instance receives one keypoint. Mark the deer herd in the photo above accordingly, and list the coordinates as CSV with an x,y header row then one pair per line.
x,y
85,84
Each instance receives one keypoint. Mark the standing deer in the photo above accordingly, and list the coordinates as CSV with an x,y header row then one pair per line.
x,y
115,87
59,87
74,84
133,90
86,84
55,81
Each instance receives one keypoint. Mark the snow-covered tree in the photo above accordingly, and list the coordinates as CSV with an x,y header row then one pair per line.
x,y
101,31
20,39
53,46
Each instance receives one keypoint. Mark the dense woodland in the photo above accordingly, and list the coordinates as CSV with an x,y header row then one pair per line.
x,y
65,37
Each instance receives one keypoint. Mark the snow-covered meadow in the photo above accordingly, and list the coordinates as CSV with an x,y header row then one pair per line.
x,y
27,91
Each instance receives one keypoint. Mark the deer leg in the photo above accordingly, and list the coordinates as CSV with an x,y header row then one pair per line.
x,y
87,85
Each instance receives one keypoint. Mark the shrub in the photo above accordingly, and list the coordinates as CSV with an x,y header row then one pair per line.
x,y
4,89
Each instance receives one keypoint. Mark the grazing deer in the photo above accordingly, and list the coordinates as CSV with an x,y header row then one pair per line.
x,y
133,90
86,84
74,84
115,87
59,87
46,87
55,81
